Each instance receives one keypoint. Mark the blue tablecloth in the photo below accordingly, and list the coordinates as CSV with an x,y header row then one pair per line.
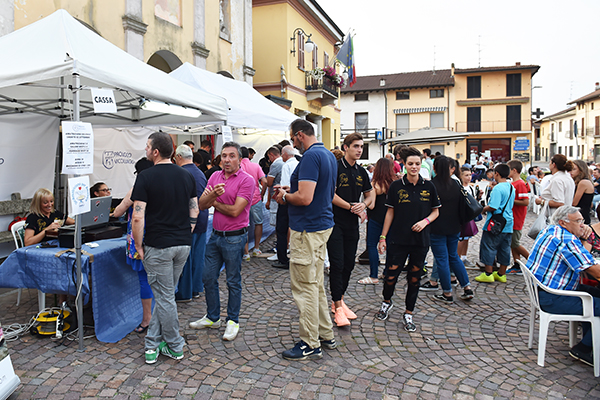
x,y
115,286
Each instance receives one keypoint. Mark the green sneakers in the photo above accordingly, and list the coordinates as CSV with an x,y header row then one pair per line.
x,y
499,278
163,347
485,278
151,356
494,277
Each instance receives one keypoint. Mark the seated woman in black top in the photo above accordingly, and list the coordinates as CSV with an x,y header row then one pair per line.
x,y
100,189
43,218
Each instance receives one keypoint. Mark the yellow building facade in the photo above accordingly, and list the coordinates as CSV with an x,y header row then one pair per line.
x,y
462,113
213,35
587,118
280,30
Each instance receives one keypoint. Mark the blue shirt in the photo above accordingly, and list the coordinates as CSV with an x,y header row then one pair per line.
x,y
200,179
502,194
558,257
320,166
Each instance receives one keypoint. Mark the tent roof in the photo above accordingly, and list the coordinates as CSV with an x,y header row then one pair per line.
x,y
247,107
427,135
40,59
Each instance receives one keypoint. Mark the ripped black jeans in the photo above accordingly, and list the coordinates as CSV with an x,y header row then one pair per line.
x,y
395,263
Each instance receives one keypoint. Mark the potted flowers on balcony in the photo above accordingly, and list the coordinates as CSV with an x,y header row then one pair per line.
x,y
328,74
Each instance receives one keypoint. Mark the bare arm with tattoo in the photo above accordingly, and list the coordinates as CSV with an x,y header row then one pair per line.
x,y
137,225
194,211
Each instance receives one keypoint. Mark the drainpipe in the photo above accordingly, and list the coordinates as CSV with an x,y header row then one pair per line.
x,y
381,150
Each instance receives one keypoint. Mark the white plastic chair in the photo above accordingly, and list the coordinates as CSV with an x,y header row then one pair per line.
x,y
534,191
19,238
532,284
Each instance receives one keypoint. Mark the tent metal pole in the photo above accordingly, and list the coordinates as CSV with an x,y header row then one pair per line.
x,y
79,305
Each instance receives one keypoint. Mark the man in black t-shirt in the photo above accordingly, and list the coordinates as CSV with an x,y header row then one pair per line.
x,y
204,151
412,205
165,212
352,181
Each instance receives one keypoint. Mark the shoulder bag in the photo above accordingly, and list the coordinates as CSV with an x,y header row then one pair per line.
x,y
497,221
469,208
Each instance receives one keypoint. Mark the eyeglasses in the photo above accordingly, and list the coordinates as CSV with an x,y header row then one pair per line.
x,y
295,134
105,190
579,221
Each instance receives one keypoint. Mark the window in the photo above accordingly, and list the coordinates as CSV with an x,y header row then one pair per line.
x,y
559,126
315,61
559,149
473,119
513,118
570,151
596,126
473,87
365,153
592,106
402,124
403,95
325,59
361,97
301,51
361,122
433,93
436,120
513,85
582,130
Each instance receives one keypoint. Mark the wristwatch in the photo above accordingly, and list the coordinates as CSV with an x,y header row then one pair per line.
x,y
283,197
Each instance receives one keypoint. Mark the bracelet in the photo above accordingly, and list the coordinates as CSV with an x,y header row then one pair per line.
x,y
193,220
350,206
428,221
381,237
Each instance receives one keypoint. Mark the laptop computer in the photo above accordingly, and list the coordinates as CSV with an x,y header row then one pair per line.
x,y
98,214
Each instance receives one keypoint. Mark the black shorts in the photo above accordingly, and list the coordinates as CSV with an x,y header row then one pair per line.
x,y
397,255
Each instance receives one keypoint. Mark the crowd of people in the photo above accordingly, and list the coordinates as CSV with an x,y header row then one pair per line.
x,y
317,200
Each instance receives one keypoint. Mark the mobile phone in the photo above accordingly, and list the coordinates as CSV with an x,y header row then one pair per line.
x,y
46,245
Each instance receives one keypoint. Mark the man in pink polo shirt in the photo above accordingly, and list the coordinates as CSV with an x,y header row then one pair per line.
x,y
256,209
230,192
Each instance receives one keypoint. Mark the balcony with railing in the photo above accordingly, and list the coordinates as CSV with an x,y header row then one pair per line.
x,y
321,88
494,126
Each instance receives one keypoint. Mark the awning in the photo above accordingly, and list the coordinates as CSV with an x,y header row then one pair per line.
x,y
427,135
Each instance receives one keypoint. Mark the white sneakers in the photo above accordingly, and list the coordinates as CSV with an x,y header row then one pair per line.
x,y
231,330
204,322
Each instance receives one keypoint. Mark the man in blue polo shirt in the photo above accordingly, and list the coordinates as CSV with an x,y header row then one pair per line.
x,y
309,201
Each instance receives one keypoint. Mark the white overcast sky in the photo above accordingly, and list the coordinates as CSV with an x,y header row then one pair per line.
x,y
562,37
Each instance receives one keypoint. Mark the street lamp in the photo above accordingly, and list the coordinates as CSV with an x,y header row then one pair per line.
x,y
309,46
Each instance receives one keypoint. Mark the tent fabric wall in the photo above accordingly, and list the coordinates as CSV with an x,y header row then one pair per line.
x,y
115,153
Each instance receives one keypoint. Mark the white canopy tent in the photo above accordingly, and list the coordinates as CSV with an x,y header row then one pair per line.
x,y
48,67
247,107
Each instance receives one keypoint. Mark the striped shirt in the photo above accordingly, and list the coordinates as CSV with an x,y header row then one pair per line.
x,y
558,257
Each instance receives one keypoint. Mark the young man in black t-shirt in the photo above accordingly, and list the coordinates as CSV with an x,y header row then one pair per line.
x,y
412,205
165,212
352,181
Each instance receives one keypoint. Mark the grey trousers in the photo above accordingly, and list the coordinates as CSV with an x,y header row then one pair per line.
x,y
164,267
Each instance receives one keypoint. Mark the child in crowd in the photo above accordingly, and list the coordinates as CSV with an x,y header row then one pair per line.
x,y
519,214
497,246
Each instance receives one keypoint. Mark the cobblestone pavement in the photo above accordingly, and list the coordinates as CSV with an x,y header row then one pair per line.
x,y
474,350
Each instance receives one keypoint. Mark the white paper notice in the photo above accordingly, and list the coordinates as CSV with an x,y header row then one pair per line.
x,y
79,195
78,148
103,101
227,134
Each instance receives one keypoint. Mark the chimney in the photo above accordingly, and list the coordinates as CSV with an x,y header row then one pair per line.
x,y
518,64
452,69
382,82
597,85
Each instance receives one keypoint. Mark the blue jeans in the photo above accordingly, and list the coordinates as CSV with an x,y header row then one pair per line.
x,y
557,304
373,232
191,277
444,248
228,250
435,275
